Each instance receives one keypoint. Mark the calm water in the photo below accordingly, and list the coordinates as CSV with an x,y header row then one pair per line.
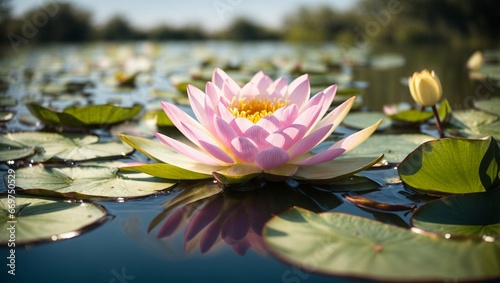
x,y
122,250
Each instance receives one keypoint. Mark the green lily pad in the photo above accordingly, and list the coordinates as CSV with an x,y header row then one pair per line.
x,y
88,182
413,116
339,244
361,120
472,215
491,105
46,146
394,147
46,219
453,166
86,116
471,119
475,124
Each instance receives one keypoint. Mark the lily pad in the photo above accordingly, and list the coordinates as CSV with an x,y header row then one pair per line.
x,y
471,119
394,147
361,120
346,245
46,219
412,116
46,146
491,105
453,166
472,215
88,182
86,116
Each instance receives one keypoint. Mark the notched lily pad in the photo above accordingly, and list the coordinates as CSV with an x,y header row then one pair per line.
x,y
339,244
472,215
453,166
70,146
43,219
88,182
86,116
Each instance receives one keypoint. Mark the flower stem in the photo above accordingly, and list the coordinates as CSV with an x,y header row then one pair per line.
x,y
438,122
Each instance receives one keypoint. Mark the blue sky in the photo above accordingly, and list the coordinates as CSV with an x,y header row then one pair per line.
x,y
210,14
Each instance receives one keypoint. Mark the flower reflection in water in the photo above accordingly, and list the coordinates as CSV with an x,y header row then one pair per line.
x,y
212,216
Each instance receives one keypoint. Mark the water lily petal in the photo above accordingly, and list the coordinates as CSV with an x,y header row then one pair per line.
x,y
183,122
286,115
225,132
322,157
188,151
310,141
279,86
249,90
299,91
271,158
261,81
244,149
286,170
216,152
356,139
336,116
329,93
258,135
224,82
310,113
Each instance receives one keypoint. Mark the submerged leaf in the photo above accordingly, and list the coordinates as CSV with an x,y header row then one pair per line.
x,y
346,245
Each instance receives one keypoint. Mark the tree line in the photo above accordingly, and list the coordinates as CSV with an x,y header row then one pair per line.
x,y
389,21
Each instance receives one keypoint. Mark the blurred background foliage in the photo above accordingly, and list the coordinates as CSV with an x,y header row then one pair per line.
x,y
457,23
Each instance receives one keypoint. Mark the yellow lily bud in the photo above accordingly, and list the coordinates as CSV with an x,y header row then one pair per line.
x,y
425,88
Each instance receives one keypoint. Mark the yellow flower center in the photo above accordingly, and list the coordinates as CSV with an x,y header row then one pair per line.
x,y
256,108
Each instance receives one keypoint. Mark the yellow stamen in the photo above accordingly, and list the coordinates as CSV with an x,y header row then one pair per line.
x,y
256,108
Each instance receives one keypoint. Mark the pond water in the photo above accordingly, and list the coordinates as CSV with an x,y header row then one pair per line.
x,y
121,249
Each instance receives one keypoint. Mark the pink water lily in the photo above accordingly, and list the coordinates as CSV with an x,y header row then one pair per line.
x,y
265,126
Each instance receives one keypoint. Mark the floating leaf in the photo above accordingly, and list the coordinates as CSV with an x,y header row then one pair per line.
x,y
47,219
476,215
412,116
394,147
48,146
346,245
11,150
361,120
453,166
491,105
86,116
471,119
92,182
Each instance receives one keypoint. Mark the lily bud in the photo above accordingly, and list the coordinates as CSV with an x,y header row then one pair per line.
x,y
425,88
